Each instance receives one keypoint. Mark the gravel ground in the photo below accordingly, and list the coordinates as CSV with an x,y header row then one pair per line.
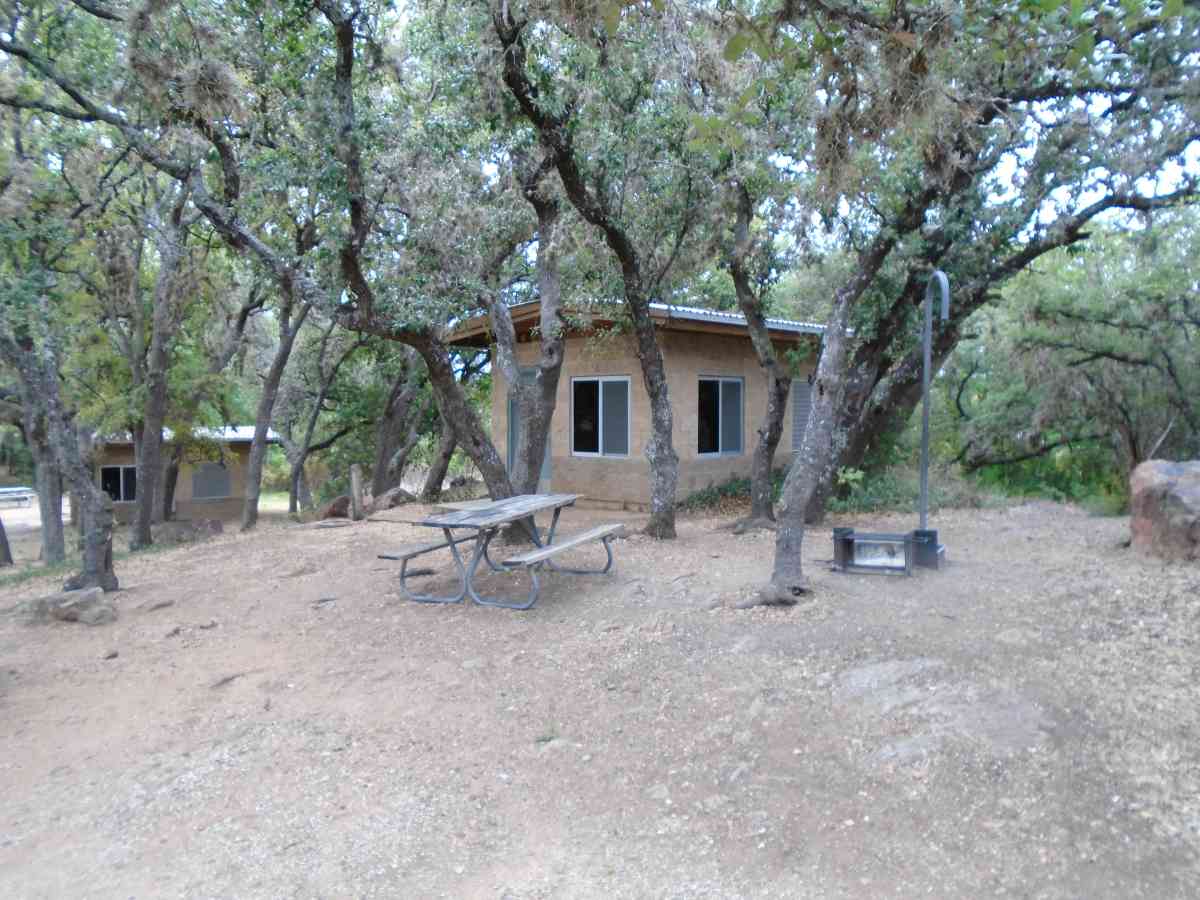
x,y
1023,723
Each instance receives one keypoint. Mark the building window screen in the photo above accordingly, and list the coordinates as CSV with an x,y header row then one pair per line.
x,y
614,418
119,482
719,416
210,481
600,416
801,406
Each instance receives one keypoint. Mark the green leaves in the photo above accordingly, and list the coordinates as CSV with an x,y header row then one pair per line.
x,y
737,46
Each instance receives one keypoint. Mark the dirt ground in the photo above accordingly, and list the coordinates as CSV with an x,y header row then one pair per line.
x,y
1023,723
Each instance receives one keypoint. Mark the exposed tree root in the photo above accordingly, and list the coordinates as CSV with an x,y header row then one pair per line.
x,y
741,526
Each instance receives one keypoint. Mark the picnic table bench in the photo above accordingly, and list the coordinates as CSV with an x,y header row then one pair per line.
x,y
22,496
484,520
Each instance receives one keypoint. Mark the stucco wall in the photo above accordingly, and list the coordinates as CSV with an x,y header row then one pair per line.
x,y
688,356
186,506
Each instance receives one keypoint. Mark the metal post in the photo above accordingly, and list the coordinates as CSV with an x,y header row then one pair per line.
x,y
943,287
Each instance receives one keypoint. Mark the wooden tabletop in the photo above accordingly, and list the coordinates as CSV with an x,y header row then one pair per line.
x,y
499,512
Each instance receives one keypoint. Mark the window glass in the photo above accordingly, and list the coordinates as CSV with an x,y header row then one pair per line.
x,y
129,483
719,416
585,414
210,481
708,416
615,417
514,430
110,481
731,417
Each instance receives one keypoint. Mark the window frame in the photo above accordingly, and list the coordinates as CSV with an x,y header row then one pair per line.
x,y
721,381
123,468
600,379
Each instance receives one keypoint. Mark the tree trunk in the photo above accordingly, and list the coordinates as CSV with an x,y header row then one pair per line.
x,y
535,399
356,492
395,428
288,329
170,480
823,438
49,489
6,558
779,381
455,408
762,464
295,476
304,494
660,449
47,476
154,415
37,368
554,130
817,453
96,545
439,466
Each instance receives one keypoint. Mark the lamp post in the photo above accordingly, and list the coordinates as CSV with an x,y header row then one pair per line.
x,y
928,550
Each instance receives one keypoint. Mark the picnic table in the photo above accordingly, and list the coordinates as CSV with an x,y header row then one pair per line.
x,y
479,522
22,496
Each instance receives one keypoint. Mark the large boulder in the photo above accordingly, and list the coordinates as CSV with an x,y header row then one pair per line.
x,y
338,508
88,606
1166,509
389,499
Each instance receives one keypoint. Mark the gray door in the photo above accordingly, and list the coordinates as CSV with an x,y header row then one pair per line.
x,y
801,406
514,433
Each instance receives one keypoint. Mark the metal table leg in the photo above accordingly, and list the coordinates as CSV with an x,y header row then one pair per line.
x,y
433,598
480,553
607,563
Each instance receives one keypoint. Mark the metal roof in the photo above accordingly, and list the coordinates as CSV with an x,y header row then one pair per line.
x,y
734,318
691,313
228,434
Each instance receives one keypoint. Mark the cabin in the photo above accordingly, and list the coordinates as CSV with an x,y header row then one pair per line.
x,y
212,480
602,416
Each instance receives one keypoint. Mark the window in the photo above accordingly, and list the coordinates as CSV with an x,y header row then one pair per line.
x,y
119,482
719,416
801,406
600,416
210,481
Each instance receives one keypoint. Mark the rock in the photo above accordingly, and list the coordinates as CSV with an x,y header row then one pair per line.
x,y
111,654
390,499
338,508
1166,509
87,606
188,531
99,614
